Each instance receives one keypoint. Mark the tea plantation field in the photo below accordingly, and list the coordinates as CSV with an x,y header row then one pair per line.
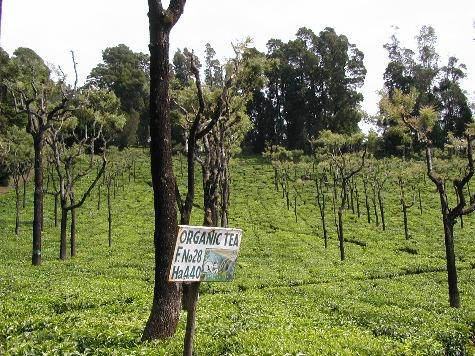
x,y
290,296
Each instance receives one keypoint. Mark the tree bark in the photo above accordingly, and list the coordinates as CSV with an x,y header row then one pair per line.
x,y
38,143
17,206
192,301
376,216
73,228
321,206
166,304
406,231
357,197
64,222
352,203
109,212
340,232
454,298
368,212
381,208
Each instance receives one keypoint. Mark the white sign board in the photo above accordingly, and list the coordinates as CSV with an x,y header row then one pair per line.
x,y
205,254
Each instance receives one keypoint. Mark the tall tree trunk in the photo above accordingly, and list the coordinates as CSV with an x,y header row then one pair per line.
x,y
191,302
109,213
375,209
17,206
381,208
352,202
341,209
166,305
63,239
295,208
225,197
134,172
368,212
454,298
357,197
38,143
73,228
321,206
0,18
334,200
406,231
340,232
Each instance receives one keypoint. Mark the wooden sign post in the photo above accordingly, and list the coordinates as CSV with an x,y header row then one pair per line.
x,y
202,254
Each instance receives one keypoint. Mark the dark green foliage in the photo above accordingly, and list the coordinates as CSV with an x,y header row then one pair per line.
x,y
312,85
126,73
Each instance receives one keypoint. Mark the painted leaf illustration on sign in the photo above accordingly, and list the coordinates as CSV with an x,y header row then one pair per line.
x,y
218,265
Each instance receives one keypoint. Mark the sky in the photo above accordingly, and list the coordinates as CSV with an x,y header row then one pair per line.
x,y
55,27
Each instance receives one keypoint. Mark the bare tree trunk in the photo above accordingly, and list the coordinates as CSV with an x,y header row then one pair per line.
x,y
406,231
166,304
0,18
381,208
225,197
134,171
334,199
341,209
192,301
73,228
17,200
357,196
352,203
454,298
321,206
448,218
340,232
368,213
109,212
374,207
64,222
38,199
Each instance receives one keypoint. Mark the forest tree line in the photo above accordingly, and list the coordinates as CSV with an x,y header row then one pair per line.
x,y
311,84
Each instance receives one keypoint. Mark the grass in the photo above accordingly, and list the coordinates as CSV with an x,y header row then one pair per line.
x,y
290,296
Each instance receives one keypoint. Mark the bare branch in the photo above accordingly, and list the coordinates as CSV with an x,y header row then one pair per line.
x,y
75,70
174,11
